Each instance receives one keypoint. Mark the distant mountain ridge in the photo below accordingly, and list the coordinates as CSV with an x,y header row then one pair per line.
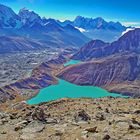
x,y
28,17
23,24
129,42
29,25
97,23
97,28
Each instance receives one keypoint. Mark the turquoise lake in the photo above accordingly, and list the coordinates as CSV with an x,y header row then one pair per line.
x,y
65,89
72,62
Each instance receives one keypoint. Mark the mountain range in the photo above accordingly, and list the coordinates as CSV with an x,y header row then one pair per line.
x,y
129,42
97,28
91,24
29,25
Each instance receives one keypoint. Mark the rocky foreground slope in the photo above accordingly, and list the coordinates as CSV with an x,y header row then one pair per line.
x,y
72,119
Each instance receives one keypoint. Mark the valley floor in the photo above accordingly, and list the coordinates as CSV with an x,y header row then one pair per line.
x,y
73,119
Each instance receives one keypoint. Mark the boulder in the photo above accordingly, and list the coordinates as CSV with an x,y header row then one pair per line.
x,y
34,127
92,129
81,116
106,137
38,114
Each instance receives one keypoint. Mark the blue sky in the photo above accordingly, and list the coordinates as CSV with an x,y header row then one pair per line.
x,y
125,11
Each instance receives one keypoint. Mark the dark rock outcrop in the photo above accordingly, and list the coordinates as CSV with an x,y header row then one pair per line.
x,y
81,116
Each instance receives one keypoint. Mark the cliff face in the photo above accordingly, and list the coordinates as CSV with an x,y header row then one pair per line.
x,y
107,72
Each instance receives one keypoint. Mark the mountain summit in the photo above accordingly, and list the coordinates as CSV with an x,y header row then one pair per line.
x,y
97,28
29,17
97,23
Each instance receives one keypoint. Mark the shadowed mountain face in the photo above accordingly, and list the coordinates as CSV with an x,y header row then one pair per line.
x,y
20,44
57,38
28,18
129,42
8,19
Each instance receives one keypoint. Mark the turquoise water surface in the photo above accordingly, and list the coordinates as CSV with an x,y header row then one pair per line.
x,y
72,62
65,89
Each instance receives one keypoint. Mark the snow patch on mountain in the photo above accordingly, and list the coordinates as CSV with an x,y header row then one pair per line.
x,y
29,17
127,30
81,29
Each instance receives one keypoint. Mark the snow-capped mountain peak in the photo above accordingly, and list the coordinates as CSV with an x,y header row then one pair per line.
x,y
97,23
27,20
29,17
97,28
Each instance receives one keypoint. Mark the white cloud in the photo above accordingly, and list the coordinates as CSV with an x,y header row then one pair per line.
x,y
81,29
62,20
127,30
134,24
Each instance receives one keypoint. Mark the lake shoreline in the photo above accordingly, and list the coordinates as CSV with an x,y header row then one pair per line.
x,y
65,89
